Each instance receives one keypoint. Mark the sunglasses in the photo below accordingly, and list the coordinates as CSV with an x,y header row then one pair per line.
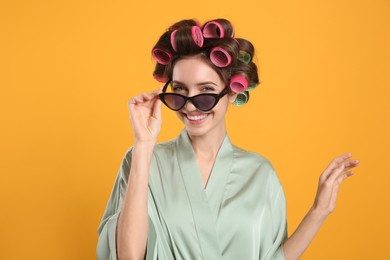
x,y
203,102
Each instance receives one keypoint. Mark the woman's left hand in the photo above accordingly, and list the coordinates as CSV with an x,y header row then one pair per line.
x,y
330,180
325,202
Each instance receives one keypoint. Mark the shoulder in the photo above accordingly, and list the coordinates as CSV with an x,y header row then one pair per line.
x,y
252,157
255,162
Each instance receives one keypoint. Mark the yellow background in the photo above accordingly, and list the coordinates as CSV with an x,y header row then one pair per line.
x,y
68,69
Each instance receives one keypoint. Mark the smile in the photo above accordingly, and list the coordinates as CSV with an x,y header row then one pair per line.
x,y
197,117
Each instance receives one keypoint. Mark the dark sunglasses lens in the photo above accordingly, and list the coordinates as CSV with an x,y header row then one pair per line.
x,y
174,101
204,102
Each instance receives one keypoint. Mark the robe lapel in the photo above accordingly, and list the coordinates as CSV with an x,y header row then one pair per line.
x,y
205,204
216,186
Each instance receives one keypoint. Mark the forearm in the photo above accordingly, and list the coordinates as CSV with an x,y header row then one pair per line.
x,y
298,242
132,229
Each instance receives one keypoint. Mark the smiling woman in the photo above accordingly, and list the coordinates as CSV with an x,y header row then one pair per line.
x,y
199,196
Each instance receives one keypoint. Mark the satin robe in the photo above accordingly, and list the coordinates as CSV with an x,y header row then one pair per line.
x,y
240,215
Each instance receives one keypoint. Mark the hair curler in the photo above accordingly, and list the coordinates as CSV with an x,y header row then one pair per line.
x,y
251,87
220,57
244,57
161,78
213,30
241,98
173,40
238,83
161,56
196,34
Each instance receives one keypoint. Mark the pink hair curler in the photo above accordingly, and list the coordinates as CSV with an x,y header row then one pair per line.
x,y
213,30
238,83
220,57
196,34
173,42
161,56
161,78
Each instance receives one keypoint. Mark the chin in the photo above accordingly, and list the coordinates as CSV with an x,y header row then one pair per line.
x,y
196,132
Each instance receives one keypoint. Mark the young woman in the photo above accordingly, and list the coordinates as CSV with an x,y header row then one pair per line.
x,y
199,196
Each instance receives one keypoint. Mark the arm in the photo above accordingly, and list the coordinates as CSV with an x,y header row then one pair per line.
x,y
132,227
325,202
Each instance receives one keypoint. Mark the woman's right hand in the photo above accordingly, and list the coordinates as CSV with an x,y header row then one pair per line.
x,y
145,116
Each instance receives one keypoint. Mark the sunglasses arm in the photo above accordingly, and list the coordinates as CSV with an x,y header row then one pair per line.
x,y
166,86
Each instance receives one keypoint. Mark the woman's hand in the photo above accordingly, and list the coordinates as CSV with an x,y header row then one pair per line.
x,y
330,180
325,202
145,116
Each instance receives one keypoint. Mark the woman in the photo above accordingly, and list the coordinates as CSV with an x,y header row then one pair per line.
x,y
198,196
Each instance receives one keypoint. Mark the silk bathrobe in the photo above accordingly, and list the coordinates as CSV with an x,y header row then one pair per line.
x,y
240,215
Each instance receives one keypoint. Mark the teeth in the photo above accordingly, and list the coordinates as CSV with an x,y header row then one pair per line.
x,y
194,118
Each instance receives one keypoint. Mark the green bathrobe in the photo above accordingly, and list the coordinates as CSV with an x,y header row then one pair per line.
x,y
240,215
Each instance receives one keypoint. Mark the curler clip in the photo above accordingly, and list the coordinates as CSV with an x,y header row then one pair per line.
x,y
220,57
161,56
238,83
213,30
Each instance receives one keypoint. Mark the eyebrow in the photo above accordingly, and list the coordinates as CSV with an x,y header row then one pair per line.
x,y
197,84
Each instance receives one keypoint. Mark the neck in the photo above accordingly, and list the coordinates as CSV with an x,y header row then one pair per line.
x,y
208,145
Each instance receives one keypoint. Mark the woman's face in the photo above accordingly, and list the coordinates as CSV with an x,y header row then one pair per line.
x,y
190,77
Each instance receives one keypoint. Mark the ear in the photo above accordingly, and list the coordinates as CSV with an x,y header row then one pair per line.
x,y
232,96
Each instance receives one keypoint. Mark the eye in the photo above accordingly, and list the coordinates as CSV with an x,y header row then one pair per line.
x,y
178,88
208,89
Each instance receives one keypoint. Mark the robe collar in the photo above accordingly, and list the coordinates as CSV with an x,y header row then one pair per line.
x,y
205,203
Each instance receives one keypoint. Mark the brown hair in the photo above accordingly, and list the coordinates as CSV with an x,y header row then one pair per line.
x,y
186,46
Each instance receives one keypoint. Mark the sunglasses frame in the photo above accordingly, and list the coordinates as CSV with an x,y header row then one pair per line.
x,y
216,96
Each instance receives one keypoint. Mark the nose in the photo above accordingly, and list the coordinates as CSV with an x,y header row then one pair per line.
x,y
189,106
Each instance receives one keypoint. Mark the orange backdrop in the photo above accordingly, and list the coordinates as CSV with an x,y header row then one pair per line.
x,y
68,68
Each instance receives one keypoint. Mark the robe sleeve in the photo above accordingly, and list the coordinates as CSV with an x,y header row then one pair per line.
x,y
279,223
106,248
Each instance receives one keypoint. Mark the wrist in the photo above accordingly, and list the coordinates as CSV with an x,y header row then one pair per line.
x,y
145,143
143,148
317,214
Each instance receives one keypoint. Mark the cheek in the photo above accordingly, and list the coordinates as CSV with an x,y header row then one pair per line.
x,y
222,107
